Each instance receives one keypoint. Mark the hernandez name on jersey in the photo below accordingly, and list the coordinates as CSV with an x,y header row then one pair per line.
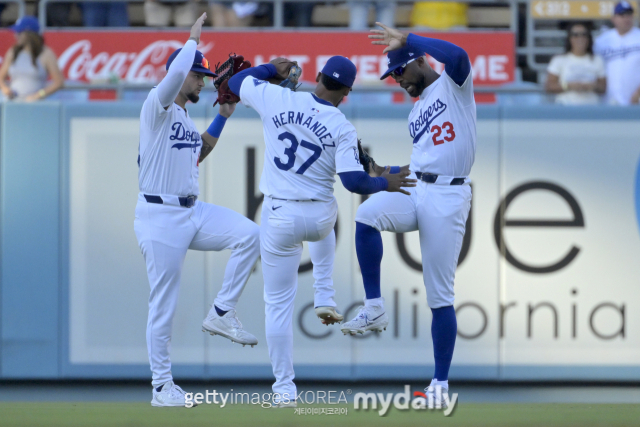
x,y
307,139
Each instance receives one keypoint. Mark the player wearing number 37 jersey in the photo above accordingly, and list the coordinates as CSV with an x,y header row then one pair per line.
x,y
442,127
308,140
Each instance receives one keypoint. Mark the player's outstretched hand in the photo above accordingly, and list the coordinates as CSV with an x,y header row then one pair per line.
x,y
389,37
197,28
226,110
398,181
283,65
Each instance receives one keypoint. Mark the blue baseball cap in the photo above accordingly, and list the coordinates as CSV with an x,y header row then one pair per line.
x,y
26,23
200,63
340,69
401,57
622,8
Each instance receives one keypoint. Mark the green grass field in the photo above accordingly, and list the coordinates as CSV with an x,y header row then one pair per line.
x,y
36,414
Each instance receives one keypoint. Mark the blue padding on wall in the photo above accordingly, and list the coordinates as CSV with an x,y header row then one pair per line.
x,y
30,240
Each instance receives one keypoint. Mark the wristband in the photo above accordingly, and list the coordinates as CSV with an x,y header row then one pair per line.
x,y
394,169
216,126
42,93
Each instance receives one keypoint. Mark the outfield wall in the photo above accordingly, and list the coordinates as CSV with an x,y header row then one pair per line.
x,y
547,287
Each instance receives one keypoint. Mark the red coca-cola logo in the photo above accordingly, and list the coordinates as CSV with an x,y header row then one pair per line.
x,y
80,62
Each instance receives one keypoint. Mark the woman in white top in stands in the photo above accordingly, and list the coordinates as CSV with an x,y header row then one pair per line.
x,y
578,76
29,64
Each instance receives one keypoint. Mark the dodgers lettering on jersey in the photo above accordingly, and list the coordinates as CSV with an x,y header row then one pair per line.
x,y
442,125
307,141
169,150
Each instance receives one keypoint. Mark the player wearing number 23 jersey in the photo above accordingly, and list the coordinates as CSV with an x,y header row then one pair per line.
x,y
442,128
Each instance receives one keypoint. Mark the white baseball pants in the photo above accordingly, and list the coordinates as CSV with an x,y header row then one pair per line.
x,y
284,226
164,234
323,255
439,212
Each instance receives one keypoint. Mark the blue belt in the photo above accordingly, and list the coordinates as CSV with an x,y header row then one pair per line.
x,y
187,201
431,178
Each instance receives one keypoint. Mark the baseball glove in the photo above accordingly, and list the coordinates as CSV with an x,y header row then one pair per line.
x,y
366,160
291,82
228,68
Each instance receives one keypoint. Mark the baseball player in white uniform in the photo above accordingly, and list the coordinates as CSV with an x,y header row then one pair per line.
x,y
620,49
308,140
169,219
442,126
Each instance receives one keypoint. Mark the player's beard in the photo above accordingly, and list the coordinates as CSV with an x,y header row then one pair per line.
x,y
418,87
193,97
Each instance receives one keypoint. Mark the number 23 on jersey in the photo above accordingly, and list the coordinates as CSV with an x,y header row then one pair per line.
x,y
438,138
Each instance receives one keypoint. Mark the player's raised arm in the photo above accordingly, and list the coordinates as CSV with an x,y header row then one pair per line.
x,y
212,134
455,59
169,87
276,68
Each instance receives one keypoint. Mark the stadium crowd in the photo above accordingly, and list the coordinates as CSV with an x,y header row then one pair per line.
x,y
589,72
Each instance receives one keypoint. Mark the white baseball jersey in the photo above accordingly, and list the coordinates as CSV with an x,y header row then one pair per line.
x,y
307,139
169,150
443,127
622,58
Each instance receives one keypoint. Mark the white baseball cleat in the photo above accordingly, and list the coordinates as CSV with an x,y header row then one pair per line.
x,y
437,392
368,319
169,395
228,326
329,315
289,404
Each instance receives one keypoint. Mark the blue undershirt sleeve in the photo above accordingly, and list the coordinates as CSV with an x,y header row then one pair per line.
x,y
262,72
455,59
360,182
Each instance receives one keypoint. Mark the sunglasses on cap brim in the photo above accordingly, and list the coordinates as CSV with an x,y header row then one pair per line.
x,y
400,70
204,63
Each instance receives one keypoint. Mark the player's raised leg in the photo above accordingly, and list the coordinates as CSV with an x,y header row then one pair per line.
x,y
394,212
221,228
442,215
323,254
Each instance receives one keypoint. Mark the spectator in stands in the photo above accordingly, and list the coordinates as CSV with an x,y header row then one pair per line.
x,y
58,14
29,64
359,13
577,76
232,14
298,14
620,48
105,14
158,13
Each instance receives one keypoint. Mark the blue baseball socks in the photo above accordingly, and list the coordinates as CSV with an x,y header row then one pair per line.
x,y
443,332
369,251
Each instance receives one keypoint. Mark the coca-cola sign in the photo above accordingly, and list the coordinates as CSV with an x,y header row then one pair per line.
x,y
79,62
140,56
